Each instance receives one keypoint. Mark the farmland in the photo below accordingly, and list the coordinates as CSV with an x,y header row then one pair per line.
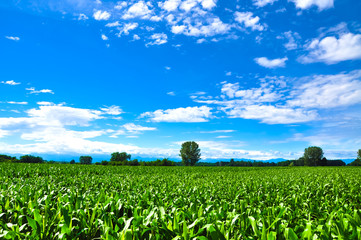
x,y
53,201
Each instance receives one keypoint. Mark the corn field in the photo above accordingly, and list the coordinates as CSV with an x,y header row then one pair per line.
x,y
53,201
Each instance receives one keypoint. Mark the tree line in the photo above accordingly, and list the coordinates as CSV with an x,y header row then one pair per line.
x,y
190,155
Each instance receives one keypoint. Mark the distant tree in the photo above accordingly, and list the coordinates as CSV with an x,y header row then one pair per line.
x,y
335,163
357,161
120,157
105,163
190,153
231,163
6,158
85,159
31,159
72,161
313,156
323,162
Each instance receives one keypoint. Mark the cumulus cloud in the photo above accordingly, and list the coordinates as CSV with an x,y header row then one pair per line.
x,y
12,38
10,82
213,26
158,39
271,63
188,114
171,93
331,50
101,15
34,91
262,3
321,4
104,37
247,19
82,17
138,10
170,5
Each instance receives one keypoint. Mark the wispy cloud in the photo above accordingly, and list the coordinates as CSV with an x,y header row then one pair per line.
x,y
12,38
10,82
34,91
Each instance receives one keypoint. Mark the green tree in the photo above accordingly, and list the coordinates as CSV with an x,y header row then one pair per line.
x,y
190,153
313,156
120,157
231,163
72,161
85,159
31,159
357,161
6,158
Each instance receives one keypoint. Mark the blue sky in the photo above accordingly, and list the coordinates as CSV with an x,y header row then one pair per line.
x,y
255,79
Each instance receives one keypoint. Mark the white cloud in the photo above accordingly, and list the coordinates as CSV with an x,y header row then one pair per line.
x,y
138,10
247,19
45,103
271,63
32,91
101,15
112,110
135,37
167,68
126,28
113,24
321,4
208,4
273,114
188,5
188,114
292,38
131,128
171,93
262,3
284,101
121,5
328,91
10,82
82,17
250,96
332,50
170,5
218,131
213,26
223,136
19,103
13,38
3,133
134,129
104,37
158,39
